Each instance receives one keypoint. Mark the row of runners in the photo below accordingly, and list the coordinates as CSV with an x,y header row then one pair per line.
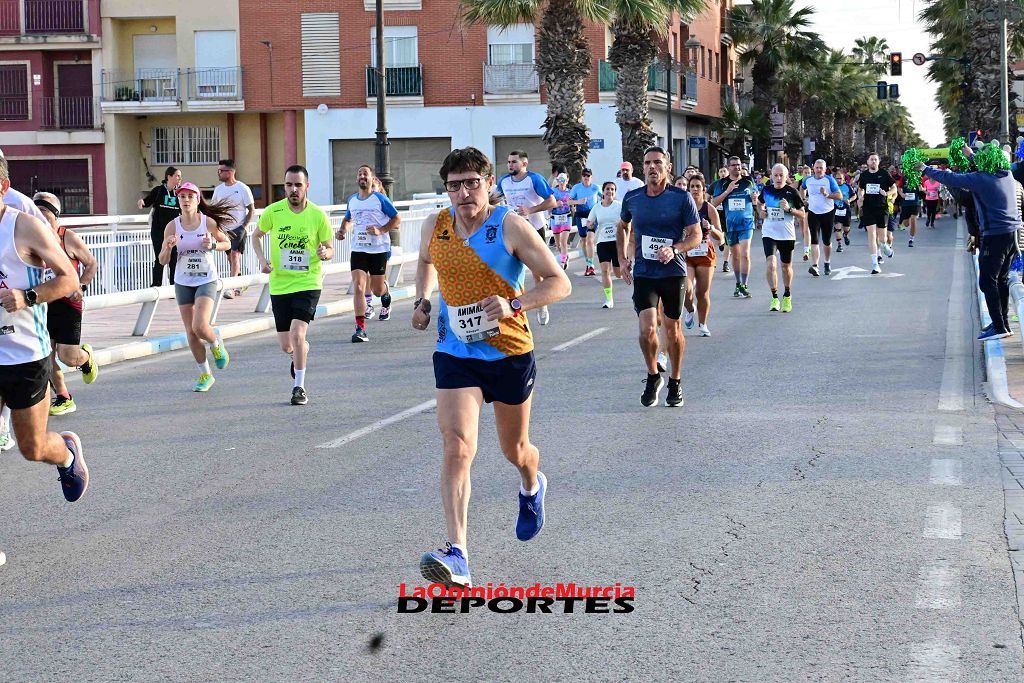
x,y
476,253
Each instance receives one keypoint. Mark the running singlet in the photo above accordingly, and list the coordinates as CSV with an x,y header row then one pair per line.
x,y
195,265
469,271
779,224
530,191
739,205
23,335
842,204
817,202
659,222
560,214
375,211
606,220
875,185
49,275
294,238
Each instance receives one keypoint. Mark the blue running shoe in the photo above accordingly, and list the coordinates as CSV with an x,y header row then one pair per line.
x,y
74,479
986,329
531,511
993,334
446,566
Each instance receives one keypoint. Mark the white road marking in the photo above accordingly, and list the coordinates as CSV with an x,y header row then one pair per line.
x,y
954,368
948,435
946,472
943,521
3,559
934,661
580,339
380,424
938,587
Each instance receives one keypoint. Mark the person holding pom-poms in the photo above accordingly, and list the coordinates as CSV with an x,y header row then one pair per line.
x,y
995,196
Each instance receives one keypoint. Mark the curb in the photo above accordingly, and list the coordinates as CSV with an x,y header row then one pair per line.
x,y
995,359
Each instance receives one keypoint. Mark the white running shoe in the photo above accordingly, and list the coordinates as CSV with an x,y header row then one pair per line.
x,y
887,249
6,441
704,331
662,361
609,303
543,316
688,320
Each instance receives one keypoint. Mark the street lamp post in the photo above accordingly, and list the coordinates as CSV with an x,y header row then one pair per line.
x,y
1004,88
382,146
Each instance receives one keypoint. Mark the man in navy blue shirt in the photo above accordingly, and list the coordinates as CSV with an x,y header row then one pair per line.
x,y
659,224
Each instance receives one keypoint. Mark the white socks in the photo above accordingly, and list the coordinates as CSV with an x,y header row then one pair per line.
x,y
534,492
204,367
300,378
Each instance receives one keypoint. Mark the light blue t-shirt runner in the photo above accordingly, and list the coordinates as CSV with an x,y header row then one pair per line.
x,y
588,193
373,212
739,205
531,190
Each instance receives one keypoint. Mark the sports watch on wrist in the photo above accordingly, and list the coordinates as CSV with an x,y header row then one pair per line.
x,y
517,306
31,297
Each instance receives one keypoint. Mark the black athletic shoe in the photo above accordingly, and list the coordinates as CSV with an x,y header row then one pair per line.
x,y
674,398
360,336
650,396
299,397
846,238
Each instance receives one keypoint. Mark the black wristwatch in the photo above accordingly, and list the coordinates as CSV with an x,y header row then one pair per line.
x,y
516,305
31,298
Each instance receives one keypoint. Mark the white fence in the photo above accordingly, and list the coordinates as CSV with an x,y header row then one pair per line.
x,y
123,246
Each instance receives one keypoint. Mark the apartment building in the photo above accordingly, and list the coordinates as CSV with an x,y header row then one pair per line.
x,y
449,86
50,126
172,92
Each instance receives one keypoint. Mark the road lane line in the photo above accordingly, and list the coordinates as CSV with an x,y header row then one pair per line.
x,y
946,472
934,661
954,368
380,424
943,521
432,403
948,435
938,587
579,340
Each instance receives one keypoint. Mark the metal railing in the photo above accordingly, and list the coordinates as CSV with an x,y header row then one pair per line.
x,y
54,16
504,79
123,246
10,17
690,85
215,84
401,81
67,113
141,85
728,95
14,108
607,78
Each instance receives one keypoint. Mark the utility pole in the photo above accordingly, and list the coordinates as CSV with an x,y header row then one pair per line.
x,y
1004,69
668,105
382,160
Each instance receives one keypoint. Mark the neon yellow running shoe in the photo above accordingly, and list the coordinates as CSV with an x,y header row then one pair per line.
x,y
775,304
91,369
787,304
204,383
62,406
220,355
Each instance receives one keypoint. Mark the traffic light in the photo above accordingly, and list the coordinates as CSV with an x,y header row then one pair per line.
x,y
894,91
883,90
896,64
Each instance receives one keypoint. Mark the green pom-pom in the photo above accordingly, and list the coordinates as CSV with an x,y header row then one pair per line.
x,y
958,161
991,159
911,176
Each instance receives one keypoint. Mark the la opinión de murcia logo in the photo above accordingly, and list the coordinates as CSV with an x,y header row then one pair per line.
x,y
562,598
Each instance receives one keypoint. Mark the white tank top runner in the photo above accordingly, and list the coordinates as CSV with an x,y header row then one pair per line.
x,y
195,264
23,335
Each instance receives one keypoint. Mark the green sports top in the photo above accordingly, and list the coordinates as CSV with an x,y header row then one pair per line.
x,y
294,238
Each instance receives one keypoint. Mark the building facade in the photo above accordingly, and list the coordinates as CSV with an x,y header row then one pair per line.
x,y
449,86
50,126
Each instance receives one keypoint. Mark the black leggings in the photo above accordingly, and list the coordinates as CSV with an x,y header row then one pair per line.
x,y
821,224
931,207
994,260
157,235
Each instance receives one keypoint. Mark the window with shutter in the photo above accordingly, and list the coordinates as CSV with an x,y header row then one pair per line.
x,y
13,92
321,54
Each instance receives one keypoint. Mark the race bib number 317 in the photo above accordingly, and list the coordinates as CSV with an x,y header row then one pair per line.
x,y
470,323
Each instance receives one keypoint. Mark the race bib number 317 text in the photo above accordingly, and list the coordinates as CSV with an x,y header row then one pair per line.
x,y
470,323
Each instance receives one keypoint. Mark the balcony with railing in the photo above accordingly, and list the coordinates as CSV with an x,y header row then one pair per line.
x,y
401,81
42,17
607,78
140,90
67,113
14,108
215,89
511,79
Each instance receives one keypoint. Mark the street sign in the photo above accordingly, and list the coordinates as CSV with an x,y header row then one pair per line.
x,y
778,120
597,143
698,142
778,145
919,58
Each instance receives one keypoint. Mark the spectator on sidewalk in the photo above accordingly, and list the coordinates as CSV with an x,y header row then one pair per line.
x,y
238,197
164,201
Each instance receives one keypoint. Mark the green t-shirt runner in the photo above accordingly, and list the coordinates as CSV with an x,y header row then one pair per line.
x,y
294,238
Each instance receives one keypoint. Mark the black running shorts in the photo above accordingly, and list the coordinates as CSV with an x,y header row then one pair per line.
x,y
785,248
64,323
294,306
876,217
24,385
508,380
238,237
648,291
607,251
374,264
908,211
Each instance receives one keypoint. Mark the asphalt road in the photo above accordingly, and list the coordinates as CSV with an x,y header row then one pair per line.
x,y
809,515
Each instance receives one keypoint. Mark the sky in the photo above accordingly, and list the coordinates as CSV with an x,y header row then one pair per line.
x,y
840,22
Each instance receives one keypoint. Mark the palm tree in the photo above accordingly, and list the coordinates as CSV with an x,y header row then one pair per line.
x,y
563,62
772,34
638,32
736,126
873,50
